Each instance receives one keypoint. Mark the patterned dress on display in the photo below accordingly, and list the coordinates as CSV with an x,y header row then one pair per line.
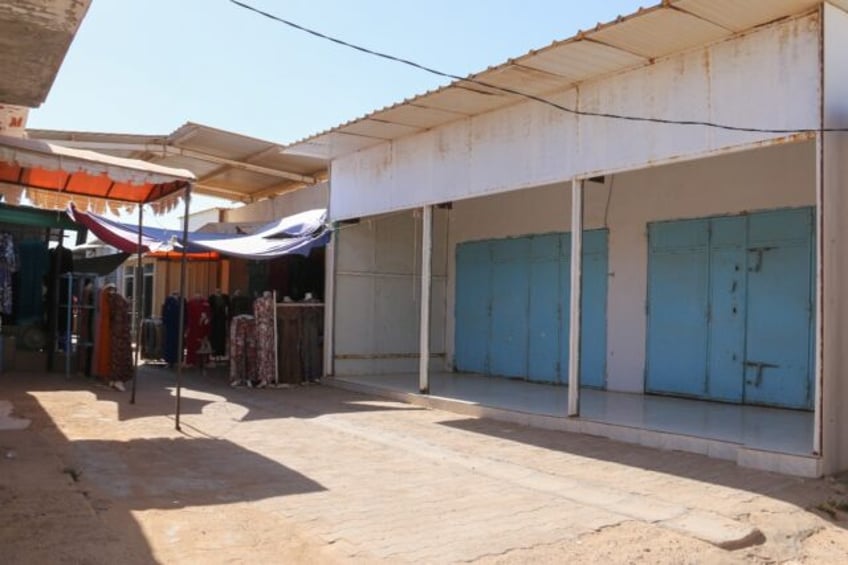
x,y
199,319
266,350
121,363
242,350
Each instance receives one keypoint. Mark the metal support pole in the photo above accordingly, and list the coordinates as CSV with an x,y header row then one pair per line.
x,y
139,304
426,281
576,288
181,333
329,304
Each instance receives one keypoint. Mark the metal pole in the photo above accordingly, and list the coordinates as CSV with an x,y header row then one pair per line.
x,y
329,303
139,304
69,325
576,288
426,256
182,308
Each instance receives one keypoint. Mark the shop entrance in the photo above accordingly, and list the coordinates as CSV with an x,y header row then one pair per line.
x,y
730,308
513,304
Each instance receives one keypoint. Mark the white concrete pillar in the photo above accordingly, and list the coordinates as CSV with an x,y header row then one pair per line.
x,y
576,290
426,282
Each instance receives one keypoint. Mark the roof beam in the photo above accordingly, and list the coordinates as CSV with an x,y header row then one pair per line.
x,y
212,190
170,151
191,154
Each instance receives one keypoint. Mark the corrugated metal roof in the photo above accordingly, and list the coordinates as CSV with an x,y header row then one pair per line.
x,y
225,163
626,43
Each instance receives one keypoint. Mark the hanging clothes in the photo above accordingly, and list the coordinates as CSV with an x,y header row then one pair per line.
x,y
171,323
85,329
242,350
120,323
220,305
61,261
152,339
266,346
8,265
103,342
199,320
33,264
240,305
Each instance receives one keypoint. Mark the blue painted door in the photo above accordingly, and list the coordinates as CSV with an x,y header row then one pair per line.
x,y
510,301
780,307
545,309
473,298
512,307
730,308
678,303
593,320
726,339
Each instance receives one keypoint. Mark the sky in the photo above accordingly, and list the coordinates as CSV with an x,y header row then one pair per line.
x,y
149,66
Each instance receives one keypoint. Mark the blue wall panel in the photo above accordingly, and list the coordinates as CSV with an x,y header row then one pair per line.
x,y
509,307
518,290
778,370
593,321
473,293
677,302
727,309
545,309
593,324
752,277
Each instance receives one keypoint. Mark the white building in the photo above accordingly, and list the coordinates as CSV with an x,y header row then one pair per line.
x,y
713,258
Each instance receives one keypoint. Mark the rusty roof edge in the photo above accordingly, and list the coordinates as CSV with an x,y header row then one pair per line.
x,y
581,35
59,135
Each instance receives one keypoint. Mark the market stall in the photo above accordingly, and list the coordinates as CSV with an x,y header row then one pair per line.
x,y
53,177
287,255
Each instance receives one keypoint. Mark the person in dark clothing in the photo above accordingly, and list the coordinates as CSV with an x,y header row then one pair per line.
x,y
219,304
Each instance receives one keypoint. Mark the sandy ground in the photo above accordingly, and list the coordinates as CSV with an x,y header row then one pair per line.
x,y
313,475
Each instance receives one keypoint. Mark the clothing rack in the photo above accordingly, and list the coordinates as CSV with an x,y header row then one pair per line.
x,y
71,278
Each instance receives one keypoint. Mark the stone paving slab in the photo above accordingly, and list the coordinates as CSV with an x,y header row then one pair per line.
x,y
369,480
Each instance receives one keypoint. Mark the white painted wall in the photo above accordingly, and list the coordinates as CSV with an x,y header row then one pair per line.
x,y
307,198
768,78
378,293
835,261
775,177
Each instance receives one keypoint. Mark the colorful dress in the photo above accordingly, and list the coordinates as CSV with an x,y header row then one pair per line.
x,y
199,320
242,350
120,361
266,347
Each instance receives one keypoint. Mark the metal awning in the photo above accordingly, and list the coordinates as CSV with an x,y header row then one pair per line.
x,y
227,164
626,43
78,173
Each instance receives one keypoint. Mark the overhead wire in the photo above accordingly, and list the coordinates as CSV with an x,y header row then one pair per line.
x,y
533,97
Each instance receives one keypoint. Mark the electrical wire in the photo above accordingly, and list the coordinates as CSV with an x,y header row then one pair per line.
x,y
573,111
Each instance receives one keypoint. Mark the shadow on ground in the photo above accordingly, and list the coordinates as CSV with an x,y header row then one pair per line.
x,y
809,494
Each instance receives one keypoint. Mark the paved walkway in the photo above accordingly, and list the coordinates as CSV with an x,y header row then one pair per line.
x,y
318,474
